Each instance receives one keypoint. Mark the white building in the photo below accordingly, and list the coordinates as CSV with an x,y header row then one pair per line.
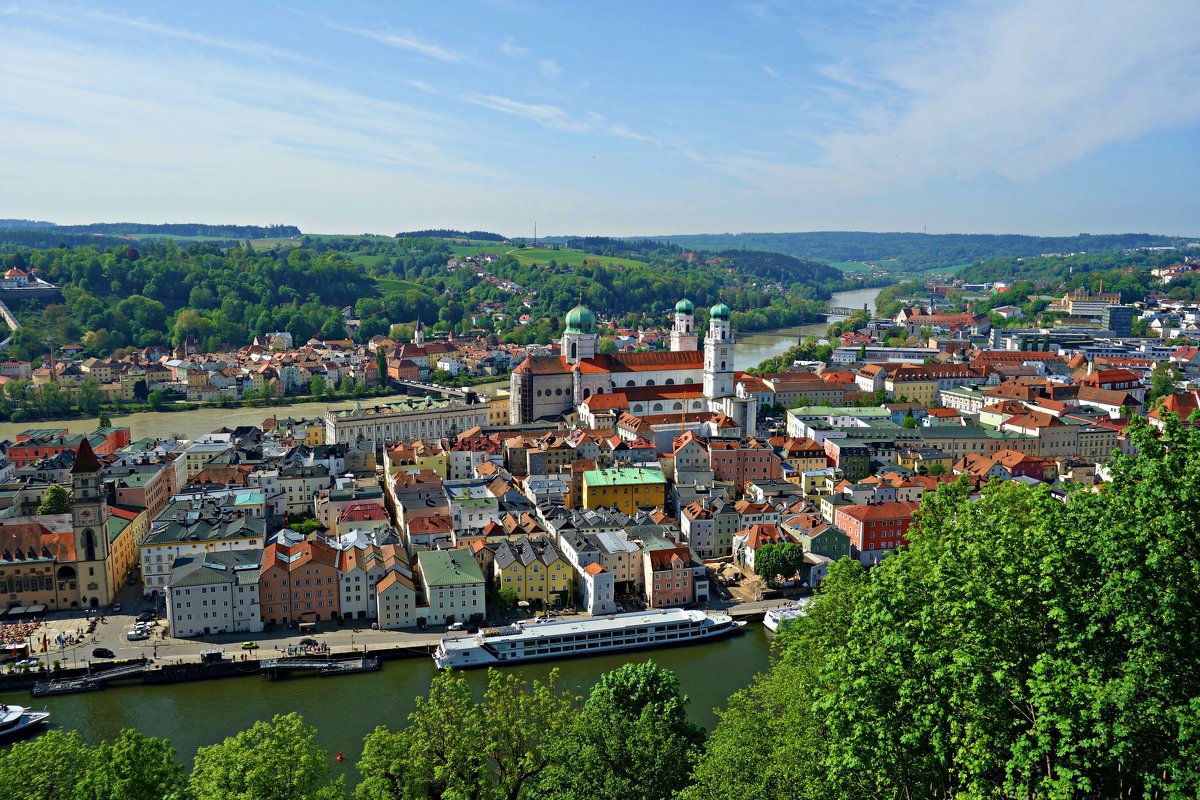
x,y
213,593
597,589
453,586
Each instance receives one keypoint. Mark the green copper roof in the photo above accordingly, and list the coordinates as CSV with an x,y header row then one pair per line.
x,y
685,306
580,319
719,311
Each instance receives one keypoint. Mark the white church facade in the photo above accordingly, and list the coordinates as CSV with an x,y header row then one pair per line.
x,y
701,380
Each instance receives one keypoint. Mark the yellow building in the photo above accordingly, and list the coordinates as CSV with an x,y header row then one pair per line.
x,y
314,434
498,408
420,456
127,527
626,489
533,569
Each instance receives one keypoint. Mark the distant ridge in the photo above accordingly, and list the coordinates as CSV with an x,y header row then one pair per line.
x,y
914,250
190,229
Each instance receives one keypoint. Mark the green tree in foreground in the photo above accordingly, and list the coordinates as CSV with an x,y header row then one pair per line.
x,y
1021,647
56,500
60,766
51,767
134,767
456,747
632,740
279,760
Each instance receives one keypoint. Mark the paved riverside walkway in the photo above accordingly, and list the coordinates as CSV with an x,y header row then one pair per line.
x,y
164,649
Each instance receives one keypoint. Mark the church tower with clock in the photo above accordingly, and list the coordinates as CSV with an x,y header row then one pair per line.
x,y
89,518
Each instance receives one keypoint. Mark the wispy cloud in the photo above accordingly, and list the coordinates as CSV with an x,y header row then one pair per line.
x,y
558,118
767,69
954,93
90,15
407,40
549,67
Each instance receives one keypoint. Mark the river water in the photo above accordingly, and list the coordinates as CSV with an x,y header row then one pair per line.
x,y
345,709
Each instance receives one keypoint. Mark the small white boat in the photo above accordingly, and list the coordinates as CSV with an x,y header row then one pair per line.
x,y
782,614
18,721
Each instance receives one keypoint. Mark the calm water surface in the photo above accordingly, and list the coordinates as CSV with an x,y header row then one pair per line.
x,y
345,709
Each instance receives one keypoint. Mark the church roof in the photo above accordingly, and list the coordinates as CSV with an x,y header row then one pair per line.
x,y
85,459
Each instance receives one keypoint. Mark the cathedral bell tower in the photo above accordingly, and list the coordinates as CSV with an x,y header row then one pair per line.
x,y
89,519
683,331
718,354
579,339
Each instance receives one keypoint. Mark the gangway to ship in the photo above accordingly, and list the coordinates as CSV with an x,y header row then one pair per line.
x,y
87,683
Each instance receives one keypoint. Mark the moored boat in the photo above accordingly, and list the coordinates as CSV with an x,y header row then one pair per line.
x,y
776,617
574,637
17,722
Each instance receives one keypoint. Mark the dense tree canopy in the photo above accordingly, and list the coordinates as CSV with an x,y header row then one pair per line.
x,y
1022,647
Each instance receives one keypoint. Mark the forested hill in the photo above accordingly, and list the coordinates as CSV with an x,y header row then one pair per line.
x,y
189,229
914,251
450,233
767,265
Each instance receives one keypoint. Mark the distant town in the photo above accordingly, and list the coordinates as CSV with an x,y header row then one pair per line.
x,y
599,482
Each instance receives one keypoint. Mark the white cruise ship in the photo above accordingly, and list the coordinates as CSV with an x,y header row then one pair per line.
x,y
573,637
780,615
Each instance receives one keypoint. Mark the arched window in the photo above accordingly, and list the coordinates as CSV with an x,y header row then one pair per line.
x,y
670,382
658,407
587,393
574,351
722,366
630,383
687,381
650,382
89,544
677,407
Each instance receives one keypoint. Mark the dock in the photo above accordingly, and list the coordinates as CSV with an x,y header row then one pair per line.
x,y
87,683
281,667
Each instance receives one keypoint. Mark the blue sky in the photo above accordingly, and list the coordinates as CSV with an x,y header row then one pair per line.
x,y
614,118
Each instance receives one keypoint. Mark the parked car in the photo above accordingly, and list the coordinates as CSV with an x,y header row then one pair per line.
x,y
137,636
146,616
308,642
102,652
455,626
116,609
31,663
249,645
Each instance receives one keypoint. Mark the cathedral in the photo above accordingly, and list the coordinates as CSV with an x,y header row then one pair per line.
x,y
702,380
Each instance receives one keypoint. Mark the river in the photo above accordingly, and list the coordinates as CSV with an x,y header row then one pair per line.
x,y
751,349
345,709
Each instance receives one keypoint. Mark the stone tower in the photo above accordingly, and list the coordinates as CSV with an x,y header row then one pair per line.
x,y
89,519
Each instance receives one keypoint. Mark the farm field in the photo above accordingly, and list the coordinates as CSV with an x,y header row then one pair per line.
x,y
397,286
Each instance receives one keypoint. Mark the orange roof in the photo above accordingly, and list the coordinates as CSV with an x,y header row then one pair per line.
x,y
594,569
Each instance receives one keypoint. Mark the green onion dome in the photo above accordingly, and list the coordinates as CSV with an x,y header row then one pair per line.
x,y
580,319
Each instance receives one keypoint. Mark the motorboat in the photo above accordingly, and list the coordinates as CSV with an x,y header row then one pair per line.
x,y
17,722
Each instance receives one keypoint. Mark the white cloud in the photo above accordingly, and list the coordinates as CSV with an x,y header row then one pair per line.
x,y
549,67
557,118
1019,91
767,69
399,39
